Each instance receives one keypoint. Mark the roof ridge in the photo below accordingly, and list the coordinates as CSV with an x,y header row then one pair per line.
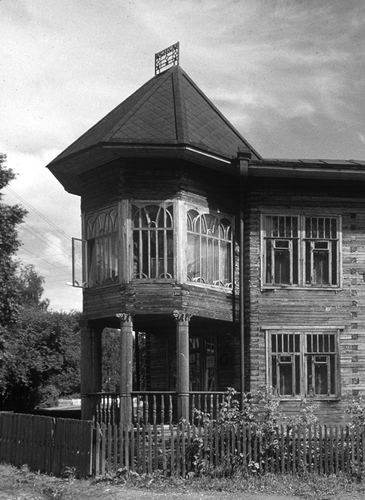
x,y
181,123
220,114
138,104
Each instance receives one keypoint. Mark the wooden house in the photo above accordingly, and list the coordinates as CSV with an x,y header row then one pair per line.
x,y
241,271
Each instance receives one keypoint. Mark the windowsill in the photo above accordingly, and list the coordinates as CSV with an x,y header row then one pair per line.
x,y
273,288
209,286
152,280
102,285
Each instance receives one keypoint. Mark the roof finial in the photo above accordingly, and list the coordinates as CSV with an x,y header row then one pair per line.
x,y
166,57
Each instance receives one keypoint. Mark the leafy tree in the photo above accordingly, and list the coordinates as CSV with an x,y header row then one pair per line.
x,y
42,359
10,218
30,287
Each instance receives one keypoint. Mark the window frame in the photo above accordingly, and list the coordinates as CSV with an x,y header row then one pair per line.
x,y
302,255
140,204
300,372
201,280
109,244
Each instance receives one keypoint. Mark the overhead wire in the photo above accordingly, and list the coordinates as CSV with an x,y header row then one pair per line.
x,y
38,213
44,240
34,232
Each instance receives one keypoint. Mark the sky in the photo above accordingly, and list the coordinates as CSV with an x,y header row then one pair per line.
x,y
288,74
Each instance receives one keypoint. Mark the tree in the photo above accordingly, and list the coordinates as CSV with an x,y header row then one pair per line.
x,y
30,287
10,218
42,359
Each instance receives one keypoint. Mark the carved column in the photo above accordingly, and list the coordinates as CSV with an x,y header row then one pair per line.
x,y
126,370
90,368
182,358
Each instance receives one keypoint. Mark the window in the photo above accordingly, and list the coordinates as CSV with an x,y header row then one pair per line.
x,y
303,363
153,241
202,364
102,248
301,250
209,249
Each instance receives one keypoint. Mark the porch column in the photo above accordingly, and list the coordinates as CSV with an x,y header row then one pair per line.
x,y
90,368
182,358
126,371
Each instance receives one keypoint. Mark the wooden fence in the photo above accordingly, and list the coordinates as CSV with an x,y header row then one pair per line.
x,y
185,448
46,444
55,445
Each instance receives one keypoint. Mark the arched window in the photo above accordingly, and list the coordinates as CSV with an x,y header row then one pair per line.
x,y
153,241
209,250
102,248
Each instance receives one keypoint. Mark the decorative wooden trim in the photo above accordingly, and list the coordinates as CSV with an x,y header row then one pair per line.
x,y
182,316
125,317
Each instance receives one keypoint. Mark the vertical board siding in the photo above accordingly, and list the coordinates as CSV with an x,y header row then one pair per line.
x,y
58,445
46,444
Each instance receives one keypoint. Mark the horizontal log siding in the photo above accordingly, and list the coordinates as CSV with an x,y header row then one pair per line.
x,y
312,308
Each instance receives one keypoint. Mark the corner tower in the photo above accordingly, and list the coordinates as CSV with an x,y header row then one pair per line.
x,y
160,206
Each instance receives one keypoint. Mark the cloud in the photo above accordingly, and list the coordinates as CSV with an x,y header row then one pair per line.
x,y
287,73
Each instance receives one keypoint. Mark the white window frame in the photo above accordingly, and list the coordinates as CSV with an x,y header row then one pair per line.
x,y
310,343
92,275
299,278
150,269
221,281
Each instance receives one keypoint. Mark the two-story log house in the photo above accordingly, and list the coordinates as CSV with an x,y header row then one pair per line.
x,y
241,271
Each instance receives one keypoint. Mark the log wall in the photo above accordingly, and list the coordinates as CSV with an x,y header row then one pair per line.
x,y
305,307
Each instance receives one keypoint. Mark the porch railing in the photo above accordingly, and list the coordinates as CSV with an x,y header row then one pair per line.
x,y
154,406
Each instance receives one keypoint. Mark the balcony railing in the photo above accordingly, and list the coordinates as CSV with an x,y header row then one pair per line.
x,y
155,407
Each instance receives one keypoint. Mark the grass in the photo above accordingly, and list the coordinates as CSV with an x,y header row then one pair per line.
x,y
14,481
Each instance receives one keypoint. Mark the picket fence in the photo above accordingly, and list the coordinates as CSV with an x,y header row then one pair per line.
x,y
186,449
92,449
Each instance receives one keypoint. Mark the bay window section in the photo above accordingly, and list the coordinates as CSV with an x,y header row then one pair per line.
x,y
102,248
209,249
153,241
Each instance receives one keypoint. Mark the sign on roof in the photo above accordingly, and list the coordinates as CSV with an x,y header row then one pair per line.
x,y
166,57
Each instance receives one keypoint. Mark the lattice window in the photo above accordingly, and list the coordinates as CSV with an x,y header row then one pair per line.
x,y
303,364
209,249
102,248
301,250
153,241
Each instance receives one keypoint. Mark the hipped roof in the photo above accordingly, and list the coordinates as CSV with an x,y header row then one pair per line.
x,y
168,111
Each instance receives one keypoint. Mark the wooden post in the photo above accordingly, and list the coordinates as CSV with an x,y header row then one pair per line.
x,y
126,372
182,357
86,378
90,369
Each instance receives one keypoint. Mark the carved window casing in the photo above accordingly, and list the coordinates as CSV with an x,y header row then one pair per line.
x,y
301,250
303,363
209,249
153,241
